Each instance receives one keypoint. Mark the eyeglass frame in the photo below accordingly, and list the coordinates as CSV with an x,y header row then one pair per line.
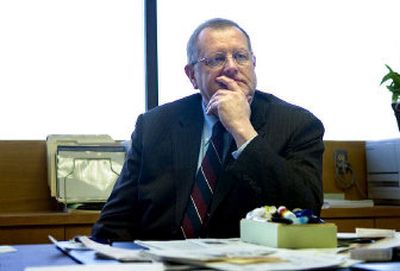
x,y
206,59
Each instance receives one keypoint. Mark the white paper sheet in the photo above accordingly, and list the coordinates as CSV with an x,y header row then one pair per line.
x,y
5,249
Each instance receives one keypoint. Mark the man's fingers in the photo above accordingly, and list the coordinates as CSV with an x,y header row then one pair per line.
x,y
215,100
212,106
222,85
226,83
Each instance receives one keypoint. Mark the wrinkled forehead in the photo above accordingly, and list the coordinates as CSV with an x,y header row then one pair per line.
x,y
222,39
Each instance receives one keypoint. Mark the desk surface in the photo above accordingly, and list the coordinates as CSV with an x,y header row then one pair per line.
x,y
33,255
48,255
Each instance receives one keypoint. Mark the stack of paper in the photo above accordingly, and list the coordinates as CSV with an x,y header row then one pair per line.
x,y
235,255
220,254
372,244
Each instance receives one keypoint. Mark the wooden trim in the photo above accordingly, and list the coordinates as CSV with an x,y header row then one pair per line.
x,y
51,218
371,212
23,177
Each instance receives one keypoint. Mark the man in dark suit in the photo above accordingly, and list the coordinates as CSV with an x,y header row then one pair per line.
x,y
272,149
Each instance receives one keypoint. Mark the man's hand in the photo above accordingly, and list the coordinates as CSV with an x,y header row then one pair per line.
x,y
231,105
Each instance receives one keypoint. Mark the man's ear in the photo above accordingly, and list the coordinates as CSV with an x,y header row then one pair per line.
x,y
189,70
254,60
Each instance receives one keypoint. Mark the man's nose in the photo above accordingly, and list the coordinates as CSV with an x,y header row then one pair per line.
x,y
230,67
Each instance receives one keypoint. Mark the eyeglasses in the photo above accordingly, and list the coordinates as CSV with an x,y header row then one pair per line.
x,y
219,59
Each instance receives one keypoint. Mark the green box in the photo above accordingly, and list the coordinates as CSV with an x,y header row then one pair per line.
x,y
288,236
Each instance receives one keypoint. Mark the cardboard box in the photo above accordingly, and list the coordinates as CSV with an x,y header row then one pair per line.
x,y
288,236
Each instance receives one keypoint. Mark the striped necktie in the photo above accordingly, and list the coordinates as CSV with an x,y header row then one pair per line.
x,y
204,185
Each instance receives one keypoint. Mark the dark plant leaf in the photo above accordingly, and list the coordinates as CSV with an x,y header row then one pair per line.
x,y
394,86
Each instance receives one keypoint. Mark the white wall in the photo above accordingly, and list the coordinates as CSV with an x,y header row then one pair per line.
x,y
325,55
73,66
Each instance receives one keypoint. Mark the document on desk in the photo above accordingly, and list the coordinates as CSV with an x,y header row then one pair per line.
x,y
235,255
6,249
382,245
98,250
120,254
221,254
375,233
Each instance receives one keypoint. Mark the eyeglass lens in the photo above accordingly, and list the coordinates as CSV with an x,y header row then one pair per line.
x,y
219,59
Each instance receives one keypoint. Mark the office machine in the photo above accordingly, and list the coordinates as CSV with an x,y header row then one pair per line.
x,y
383,170
82,169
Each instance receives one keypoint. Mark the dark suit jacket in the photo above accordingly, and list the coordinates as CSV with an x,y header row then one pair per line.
x,y
281,166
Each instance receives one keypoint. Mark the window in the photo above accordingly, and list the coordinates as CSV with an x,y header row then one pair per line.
x,y
327,56
70,67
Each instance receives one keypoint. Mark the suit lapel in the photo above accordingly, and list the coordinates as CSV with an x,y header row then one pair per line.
x,y
224,184
186,140
259,109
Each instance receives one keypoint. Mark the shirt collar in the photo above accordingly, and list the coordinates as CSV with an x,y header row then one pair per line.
x,y
209,120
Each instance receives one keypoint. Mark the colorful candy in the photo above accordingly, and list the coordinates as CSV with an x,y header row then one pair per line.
x,y
283,215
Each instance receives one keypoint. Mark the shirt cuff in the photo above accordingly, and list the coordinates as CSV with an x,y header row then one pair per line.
x,y
236,153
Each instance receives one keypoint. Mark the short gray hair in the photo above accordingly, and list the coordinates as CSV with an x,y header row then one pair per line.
x,y
217,23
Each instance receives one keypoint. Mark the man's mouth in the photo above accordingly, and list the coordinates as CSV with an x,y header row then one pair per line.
x,y
224,86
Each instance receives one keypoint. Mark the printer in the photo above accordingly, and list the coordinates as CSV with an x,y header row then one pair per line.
x,y
383,170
